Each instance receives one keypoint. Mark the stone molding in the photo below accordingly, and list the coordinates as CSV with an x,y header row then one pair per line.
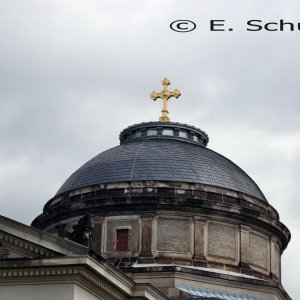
x,y
197,190
99,277
145,197
4,252
60,274
38,238
196,277
25,247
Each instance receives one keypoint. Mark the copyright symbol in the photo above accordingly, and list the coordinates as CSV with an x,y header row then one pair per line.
x,y
183,26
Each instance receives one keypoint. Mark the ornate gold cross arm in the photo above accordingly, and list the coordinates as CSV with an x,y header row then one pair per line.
x,y
165,94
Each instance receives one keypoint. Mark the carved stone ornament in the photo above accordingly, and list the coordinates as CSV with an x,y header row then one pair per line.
x,y
4,252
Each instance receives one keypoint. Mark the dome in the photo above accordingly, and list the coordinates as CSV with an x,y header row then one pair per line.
x,y
161,200
163,152
162,205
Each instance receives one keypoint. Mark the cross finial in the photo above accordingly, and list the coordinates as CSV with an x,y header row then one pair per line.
x,y
165,94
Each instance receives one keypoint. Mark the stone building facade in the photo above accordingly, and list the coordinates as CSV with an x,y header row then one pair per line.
x,y
166,210
37,265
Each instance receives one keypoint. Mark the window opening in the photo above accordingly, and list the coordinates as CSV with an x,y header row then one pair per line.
x,y
122,240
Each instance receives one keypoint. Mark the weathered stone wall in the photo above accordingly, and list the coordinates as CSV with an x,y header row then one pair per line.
x,y
172,222
222,241
173,235
259,250
192,241
110,227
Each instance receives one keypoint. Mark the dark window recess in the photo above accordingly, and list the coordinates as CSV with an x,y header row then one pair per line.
x,y
122,240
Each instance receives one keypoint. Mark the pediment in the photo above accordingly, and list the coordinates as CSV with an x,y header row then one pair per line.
x,y
6,252
21,241
14,247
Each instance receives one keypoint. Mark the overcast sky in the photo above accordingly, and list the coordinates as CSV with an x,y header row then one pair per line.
x,y
73,74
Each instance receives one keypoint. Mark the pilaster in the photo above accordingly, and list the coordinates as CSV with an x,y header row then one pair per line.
x,y
97,222
199,256
146,253
245,247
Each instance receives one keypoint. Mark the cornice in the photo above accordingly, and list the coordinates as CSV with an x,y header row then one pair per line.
x,y
211,205
203,276
42,239
75,274
99,277
23,246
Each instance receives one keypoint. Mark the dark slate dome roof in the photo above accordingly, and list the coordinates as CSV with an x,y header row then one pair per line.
x,y
144,155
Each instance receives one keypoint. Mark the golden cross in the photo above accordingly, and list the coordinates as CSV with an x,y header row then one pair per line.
x,y
165,94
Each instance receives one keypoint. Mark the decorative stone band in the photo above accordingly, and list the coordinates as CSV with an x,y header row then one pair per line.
x,y
31,249
202,283
101,278
157,130
148,196
4,252
57,274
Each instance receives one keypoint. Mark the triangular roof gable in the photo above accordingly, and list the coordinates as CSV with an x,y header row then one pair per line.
x,y
19,240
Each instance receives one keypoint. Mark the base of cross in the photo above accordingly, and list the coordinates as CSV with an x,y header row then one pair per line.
x,y
164,119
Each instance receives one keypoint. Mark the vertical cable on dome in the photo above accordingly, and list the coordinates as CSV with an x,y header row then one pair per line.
x,y
135,159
